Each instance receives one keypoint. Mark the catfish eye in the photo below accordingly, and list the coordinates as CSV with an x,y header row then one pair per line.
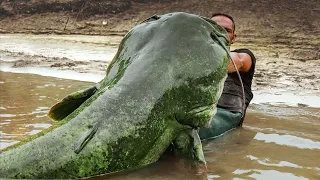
x,y
152,18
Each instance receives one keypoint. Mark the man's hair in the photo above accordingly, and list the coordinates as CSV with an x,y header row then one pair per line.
x,y
225,15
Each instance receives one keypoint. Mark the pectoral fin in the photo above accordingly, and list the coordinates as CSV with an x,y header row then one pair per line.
x,y
188,144
71,102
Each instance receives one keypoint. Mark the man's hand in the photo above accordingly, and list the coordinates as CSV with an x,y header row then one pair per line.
x,y
242,60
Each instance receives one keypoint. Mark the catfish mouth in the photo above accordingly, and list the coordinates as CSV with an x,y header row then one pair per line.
x,y
197,117
206,111
202,109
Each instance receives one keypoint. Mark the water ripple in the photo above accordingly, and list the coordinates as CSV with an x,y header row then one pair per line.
x,y
288,140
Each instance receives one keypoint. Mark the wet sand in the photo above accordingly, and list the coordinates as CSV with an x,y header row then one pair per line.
x,y
91,54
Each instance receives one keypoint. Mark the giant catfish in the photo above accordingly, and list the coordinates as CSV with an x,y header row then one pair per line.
x,y
163,83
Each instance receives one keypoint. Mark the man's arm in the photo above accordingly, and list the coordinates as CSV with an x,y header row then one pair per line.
x,y
242,60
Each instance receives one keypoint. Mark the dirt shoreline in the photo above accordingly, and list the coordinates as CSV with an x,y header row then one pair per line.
x,y
284,28
273,74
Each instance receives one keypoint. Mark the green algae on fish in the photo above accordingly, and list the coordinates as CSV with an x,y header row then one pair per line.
x,y
163,83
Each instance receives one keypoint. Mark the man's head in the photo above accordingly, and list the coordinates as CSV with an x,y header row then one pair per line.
x,y
227,23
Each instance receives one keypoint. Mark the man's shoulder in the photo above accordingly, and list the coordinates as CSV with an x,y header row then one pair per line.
x,y
250,53
247,51
244,50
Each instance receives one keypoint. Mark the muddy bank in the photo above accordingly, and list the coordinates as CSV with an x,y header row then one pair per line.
x,y
274,75
267,18
91,55
279,29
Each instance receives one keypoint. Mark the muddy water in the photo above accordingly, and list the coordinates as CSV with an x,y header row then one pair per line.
x,y
25,100
280,138
76,48
275,142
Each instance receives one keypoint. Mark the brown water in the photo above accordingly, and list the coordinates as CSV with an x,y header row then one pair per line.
x,y
276,142
25,100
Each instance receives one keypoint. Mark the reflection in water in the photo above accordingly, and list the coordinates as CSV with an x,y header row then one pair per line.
x,y
55,73
268,174
288,140
286,99
168,167
37,125
239,155
33,132
60,46
7,143
280,164
210,177
7,115
25,101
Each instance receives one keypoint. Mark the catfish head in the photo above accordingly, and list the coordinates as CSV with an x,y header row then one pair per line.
x,y
197,52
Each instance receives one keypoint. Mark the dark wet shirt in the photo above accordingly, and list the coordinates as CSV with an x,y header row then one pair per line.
x,y
231,98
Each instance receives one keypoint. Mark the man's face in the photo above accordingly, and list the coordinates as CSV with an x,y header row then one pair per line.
x,y
227,24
